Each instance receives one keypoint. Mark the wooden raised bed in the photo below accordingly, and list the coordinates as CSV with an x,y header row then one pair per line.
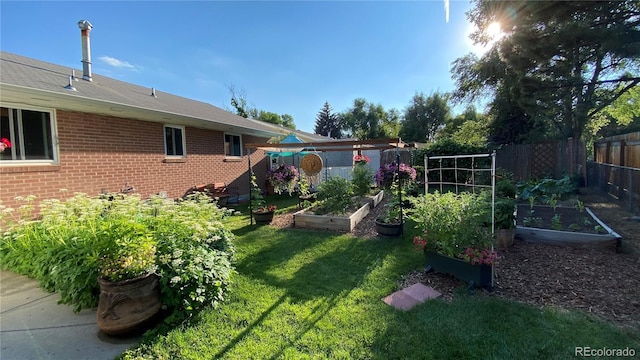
x,y
336,222
376,199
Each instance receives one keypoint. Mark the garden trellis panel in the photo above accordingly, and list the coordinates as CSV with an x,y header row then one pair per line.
x,y
458,173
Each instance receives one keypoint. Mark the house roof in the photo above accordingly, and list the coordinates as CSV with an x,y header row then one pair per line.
x,y
26,81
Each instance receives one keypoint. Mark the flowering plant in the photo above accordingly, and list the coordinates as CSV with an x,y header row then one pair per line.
x,y
472,255
266,208
361,159
478,256
454,225
386,174
129,250
4,144
283,178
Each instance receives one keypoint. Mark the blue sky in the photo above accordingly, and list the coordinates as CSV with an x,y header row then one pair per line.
x,y
287,57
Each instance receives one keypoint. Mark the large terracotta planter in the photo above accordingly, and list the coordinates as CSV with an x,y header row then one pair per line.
x,y
474,275
387,229
263,217
126,306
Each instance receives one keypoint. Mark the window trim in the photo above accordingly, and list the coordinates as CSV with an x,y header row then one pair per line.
x,y
53,122
184,141
224,141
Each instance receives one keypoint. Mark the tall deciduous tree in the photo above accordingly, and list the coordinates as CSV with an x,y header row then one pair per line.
x,y
469,128
561,62
239,103
328,123
424,116
365,120
287,121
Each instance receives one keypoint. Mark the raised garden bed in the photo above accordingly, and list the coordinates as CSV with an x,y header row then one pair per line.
x,y
572,227
376,199
344,223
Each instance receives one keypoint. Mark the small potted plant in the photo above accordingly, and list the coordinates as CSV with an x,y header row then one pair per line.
x,y
261,212
129,287
390,222
4,145
505,221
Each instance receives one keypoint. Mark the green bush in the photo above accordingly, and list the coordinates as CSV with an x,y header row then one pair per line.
x,y
450,223
65,246
546,189
362,178
335,195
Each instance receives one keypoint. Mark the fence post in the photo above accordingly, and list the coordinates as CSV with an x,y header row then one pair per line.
x,y
630,189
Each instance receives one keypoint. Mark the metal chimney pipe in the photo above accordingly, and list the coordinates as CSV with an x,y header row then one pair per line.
x,y
85,27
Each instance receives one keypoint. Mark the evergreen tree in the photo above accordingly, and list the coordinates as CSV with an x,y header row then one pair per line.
x,y
328,123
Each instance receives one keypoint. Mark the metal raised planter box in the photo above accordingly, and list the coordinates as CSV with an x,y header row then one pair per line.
x,y
473,275
570,238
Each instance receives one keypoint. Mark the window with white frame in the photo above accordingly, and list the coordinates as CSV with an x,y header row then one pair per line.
x,y
232,145
27,135
174,141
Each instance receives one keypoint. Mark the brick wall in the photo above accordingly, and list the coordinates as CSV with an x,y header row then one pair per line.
x,y
104,152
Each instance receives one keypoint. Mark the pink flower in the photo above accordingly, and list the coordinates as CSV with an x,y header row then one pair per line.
x,y
361,159
4,144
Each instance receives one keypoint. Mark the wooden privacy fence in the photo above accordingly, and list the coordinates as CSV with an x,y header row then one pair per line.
x,y
621,150
616,168
622,182
539,160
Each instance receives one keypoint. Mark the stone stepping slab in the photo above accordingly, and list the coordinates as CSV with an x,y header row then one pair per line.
x,y
411,296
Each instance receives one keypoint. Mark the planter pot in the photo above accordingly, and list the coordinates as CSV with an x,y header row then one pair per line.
x,y
263,217
127,305
388,229
474,275
504,237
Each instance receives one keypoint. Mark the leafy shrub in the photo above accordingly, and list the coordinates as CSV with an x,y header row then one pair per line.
x,y
362,178
452,223
128,250
545,189
336,195
194,253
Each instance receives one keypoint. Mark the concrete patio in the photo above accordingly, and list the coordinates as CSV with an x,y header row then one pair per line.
x,y
34,326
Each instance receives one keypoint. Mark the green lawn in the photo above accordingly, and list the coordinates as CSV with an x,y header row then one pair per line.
x,y
302,294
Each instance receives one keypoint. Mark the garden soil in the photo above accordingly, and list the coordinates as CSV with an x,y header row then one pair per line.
x,y
600,282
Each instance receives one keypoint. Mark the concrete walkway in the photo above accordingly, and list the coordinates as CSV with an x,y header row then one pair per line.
x,y
34,326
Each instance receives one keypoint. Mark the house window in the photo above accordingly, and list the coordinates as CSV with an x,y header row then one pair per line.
x,y
232,145
174,141
30,134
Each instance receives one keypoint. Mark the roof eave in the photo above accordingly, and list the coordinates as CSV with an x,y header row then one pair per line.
x,y
26,96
